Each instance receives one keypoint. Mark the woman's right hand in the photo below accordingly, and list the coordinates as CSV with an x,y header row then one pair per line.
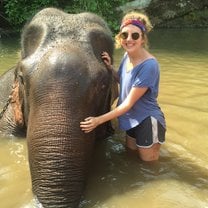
x,y
107,60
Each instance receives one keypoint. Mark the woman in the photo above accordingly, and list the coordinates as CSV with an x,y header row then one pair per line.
x,y
138,111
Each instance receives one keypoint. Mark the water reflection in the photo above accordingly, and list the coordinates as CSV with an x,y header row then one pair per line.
x,y
14,173
173,40
9,52
118,179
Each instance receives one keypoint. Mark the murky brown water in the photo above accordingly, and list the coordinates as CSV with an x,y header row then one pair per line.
x,y
118,180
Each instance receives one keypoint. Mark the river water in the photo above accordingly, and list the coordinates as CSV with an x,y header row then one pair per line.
x,y
120,180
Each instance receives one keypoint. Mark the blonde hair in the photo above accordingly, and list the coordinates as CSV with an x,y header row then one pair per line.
x,y
142,18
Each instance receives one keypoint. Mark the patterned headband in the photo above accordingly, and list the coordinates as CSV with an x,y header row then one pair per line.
x,y
133,22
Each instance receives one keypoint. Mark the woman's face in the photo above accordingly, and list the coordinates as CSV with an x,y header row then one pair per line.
x,y
131,39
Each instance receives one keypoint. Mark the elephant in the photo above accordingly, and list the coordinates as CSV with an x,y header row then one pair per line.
x,y
59,80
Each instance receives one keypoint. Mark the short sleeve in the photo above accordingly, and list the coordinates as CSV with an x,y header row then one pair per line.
x,y
147,74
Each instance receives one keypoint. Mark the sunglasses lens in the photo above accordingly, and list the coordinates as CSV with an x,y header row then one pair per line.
x,y
124,35
135,36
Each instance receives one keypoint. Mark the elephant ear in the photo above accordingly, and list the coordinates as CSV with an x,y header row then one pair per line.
x,y
17,99
32,37
101,41
17,103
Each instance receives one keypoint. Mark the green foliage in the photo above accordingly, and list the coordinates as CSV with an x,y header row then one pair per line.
x,y
19,11
178,13
198,19
106,9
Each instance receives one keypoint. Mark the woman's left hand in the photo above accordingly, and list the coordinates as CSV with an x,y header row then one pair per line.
x,y
89,124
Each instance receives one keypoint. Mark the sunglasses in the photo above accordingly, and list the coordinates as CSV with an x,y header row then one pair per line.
x,y
134,36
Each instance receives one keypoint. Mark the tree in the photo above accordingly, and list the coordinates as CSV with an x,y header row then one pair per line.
x,y
168,12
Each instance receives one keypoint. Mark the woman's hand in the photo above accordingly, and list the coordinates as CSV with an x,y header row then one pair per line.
x,y
89,124
107,60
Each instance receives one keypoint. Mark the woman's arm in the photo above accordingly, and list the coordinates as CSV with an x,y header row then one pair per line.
x,y
92,122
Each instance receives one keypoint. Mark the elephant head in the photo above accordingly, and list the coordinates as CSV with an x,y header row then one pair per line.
x,y
61,80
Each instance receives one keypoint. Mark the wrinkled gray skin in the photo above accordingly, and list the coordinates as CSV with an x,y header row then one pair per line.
x,y
59,81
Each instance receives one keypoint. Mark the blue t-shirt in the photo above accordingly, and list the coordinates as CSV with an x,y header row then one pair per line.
x,y
146,74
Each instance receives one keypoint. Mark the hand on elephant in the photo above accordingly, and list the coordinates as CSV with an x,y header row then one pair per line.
x,y
89,124
107,60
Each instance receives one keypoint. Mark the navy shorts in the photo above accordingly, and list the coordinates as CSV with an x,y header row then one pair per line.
x,y
148,132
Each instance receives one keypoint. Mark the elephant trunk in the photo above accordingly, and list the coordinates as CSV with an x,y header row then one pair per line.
x,y
58,158
58,150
